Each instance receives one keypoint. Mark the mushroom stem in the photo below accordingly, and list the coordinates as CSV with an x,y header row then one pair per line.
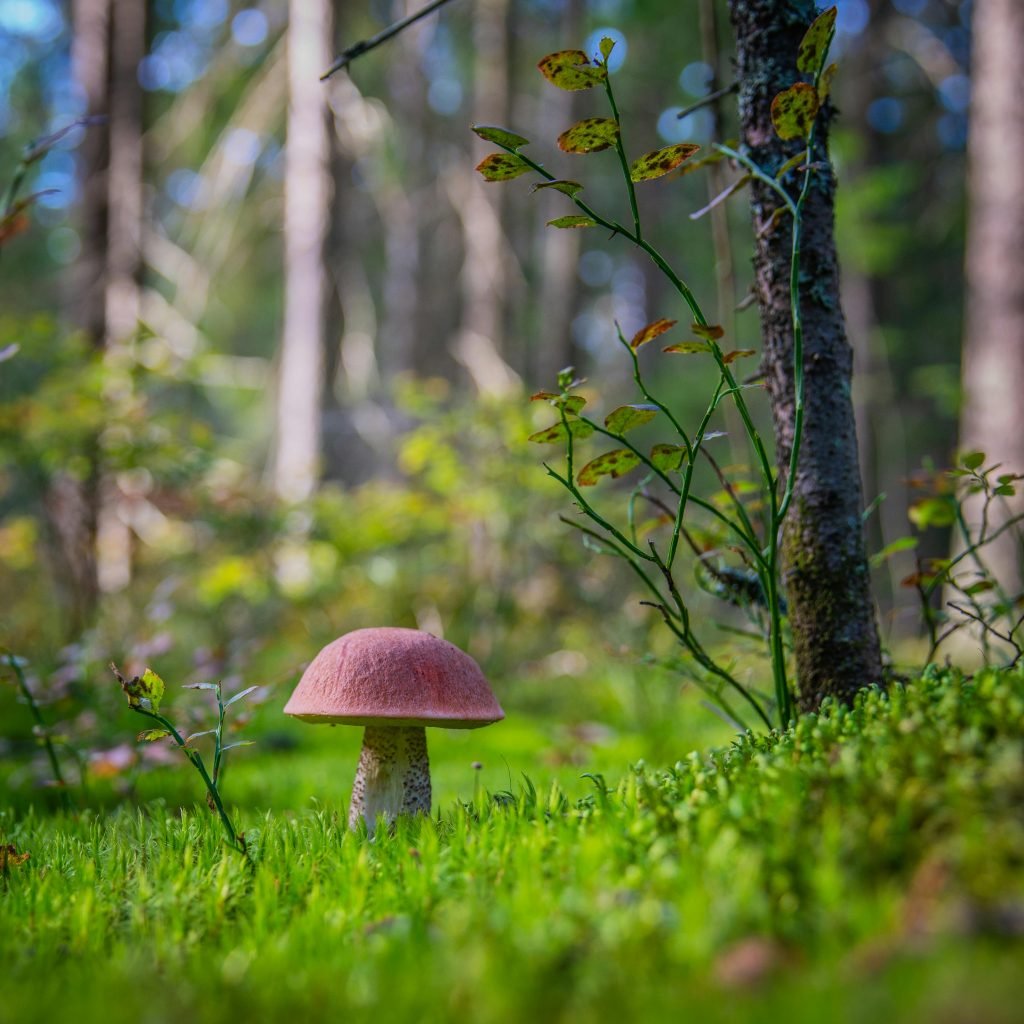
x,y
393,776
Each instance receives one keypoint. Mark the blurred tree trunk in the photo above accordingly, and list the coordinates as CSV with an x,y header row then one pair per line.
x,y
91,548
307,202
479,344
992,419
825,569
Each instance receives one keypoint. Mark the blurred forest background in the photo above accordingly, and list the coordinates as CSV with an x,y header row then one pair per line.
x,y
275,338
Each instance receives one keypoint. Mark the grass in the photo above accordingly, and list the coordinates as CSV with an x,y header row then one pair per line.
x,y
864,865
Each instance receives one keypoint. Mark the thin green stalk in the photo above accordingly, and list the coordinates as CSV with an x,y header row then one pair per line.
x,y
620,149
43,731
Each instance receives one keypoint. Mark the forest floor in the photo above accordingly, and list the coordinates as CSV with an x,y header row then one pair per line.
x,y
865,865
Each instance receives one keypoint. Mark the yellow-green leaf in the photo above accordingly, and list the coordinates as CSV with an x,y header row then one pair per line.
x,y
502,166
500,136
651,331
815,42
571,70
149,735
825,82
668,456
627,417
566,187
613,464
556,432
590,135
607,45
661,161
688,348
573,220
794,111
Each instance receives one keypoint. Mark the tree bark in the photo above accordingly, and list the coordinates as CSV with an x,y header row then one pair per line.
x,y
825,571
296,466
992,419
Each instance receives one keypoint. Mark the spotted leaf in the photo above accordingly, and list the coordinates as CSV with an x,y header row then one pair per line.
x,y
627,417
651,331
815,42
688,348
613,464
794,111
667,457
502,166
661,161
571,403
590,135
737,353
571,70
557,432
499,136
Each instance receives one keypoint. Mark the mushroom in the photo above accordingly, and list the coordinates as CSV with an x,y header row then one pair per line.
x,y
394,682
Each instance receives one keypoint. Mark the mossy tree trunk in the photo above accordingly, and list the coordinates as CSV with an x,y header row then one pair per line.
x,y
825,569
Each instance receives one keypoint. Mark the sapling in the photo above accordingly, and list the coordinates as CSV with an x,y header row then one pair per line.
x,y
145,695
669,466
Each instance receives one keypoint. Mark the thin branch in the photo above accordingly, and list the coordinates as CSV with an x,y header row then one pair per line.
x,y
365,45
706,101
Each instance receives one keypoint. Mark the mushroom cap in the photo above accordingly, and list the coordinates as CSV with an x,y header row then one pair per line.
x,y
392,676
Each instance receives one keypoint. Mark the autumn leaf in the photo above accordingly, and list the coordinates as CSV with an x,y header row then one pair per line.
x,y
502,166
590,135
661,161
143,692
651,331
794,111
571,70
10,858
613,464
571,403
737,353
710,331
687,348
499,136
627,417
573,220
815,42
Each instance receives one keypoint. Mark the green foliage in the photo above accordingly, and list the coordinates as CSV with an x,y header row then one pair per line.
x,y
573,221
571,70
611,898
500,136
614,464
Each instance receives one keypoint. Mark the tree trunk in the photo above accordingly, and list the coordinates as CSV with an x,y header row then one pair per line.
x,y
306,225
825,569
993,354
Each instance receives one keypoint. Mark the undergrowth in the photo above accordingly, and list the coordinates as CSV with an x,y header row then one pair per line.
x,y
866,859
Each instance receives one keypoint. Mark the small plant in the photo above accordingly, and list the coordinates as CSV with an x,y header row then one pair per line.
x,y
40,729
145,694
966,582
746,518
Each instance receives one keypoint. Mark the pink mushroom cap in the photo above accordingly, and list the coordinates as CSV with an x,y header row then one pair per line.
x,y
393,676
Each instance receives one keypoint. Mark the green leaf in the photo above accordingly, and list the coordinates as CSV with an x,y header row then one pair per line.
x,y
661,161
144,693
933,512
238,743
792,163
903,544
568,188
794,111
241,695
500,136
668,456
607,45
590,135
651,331
573,220
1005,490
571,403
502,166
814,45
149,735
979,588
196,735
202,686
614,464
571,70
556,432
627,417
972,460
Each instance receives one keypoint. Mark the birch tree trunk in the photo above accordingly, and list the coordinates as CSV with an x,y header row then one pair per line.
x,y
992,419
307,198
835,636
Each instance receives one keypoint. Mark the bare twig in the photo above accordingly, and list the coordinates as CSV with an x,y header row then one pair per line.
x,y
706,101
365,45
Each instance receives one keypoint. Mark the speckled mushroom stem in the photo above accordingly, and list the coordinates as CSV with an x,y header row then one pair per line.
x,y
393,776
